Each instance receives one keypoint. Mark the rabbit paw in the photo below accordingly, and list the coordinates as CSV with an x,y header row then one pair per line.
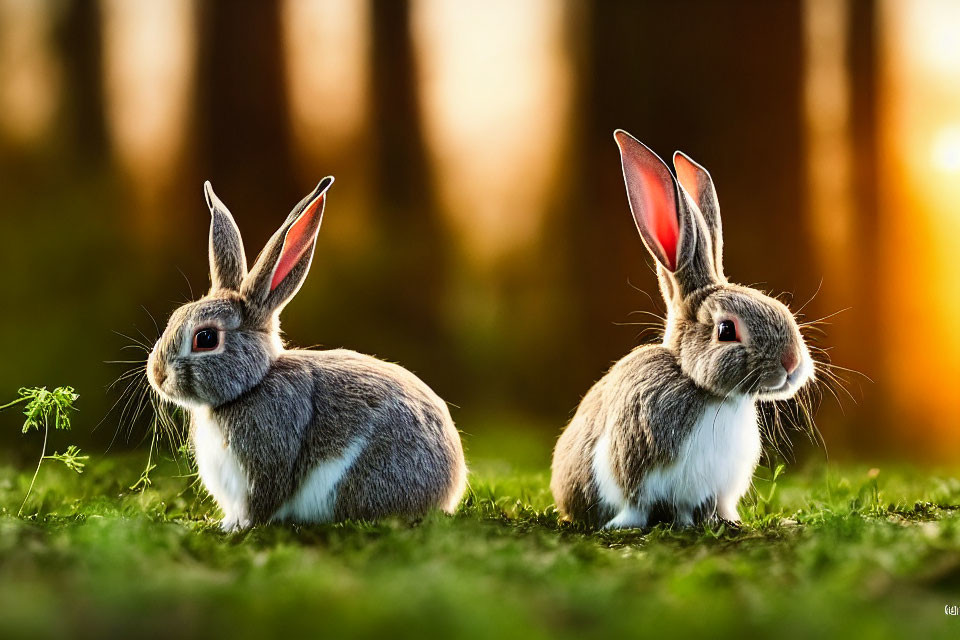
x,y
727,510
232,524
683,517
629,518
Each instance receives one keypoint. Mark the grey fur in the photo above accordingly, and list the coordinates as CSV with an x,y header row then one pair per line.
x,y
228,263
649,402
285,411
704,195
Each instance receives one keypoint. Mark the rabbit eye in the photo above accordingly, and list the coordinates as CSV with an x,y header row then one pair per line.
x,y
206,340
727,331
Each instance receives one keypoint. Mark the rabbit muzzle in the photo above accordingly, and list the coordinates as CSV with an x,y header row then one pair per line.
x,y
156,371
795,370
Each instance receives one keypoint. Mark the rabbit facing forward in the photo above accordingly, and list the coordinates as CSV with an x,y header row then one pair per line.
x,y
671,430
297,435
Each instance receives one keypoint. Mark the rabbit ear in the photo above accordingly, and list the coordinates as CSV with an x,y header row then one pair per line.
x,y
670,225
653,198
283,264
698,184
228,263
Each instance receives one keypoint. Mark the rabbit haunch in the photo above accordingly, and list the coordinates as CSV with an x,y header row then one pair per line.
x,y
223,476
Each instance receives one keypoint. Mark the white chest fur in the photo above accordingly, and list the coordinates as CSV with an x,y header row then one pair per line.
x,y
220,471
717,460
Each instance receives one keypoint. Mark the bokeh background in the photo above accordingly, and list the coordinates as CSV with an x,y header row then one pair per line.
x,y
478,232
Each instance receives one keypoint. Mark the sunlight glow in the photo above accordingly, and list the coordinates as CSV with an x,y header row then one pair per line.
x,y
29,71
327,47
495,90
149,51
828,135
946,149
920,210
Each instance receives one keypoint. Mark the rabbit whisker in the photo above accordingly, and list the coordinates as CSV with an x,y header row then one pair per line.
x,y
147,339
826,317
134,340
648,313
133,382
187,280
797,313
131,410
152,319
656,302
135,346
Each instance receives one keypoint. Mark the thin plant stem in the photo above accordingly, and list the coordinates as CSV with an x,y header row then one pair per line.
x,y
144,481
43,453
153,442
15,402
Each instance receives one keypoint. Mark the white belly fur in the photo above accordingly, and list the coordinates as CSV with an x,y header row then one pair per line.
x,y
221,473
717,459
314,501
224,478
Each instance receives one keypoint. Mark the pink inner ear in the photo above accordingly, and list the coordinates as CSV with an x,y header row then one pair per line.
x,y
688,176
659,212
298,240
652,192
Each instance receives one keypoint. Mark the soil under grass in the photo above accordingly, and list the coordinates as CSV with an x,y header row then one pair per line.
x,y
857,554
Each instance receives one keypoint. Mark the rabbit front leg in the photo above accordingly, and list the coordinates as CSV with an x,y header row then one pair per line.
x,y
267,496
613,468
267,446
271,484
683,516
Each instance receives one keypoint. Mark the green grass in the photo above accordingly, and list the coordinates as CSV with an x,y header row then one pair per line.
x,y
862,555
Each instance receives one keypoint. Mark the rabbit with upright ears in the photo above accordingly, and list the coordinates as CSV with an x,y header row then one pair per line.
x,y
289,434
671,430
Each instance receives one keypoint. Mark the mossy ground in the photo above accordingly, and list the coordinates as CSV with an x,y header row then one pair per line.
x,y
835,551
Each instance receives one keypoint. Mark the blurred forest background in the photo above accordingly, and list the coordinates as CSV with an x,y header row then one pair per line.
x,y
478,232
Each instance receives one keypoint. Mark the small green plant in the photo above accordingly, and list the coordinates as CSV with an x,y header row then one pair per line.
x,y
71,458
868,500
40,407
166,424
144,481
764,512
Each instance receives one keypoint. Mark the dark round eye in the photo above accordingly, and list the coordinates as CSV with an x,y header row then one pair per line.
x,y
206,340
727,331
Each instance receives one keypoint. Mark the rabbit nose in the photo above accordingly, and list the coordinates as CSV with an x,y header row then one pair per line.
x,y
790,360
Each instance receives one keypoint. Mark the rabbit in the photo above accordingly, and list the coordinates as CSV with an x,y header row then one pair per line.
x,y
671,430
297,435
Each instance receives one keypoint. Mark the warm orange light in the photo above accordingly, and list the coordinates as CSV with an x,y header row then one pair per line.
x,y
29,72
148,60
828,139
327,47
327,63
495,89
920,214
